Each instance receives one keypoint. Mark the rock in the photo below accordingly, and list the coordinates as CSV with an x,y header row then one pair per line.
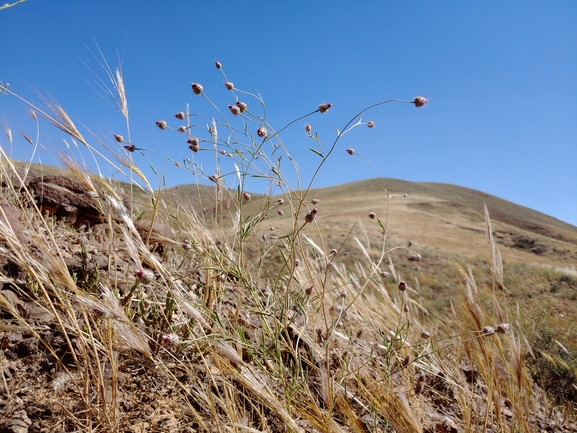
x,y
64,197
159,235
19,423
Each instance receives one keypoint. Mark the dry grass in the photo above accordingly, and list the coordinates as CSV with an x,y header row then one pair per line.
x,y
236,332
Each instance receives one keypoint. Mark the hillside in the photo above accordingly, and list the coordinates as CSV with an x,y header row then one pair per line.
x,y
253,313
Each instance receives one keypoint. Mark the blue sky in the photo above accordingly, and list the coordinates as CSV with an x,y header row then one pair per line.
x,y
501,79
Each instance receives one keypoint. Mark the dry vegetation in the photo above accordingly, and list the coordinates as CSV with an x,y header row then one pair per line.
x,y
276,313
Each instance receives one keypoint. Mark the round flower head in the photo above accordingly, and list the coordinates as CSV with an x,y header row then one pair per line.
x,y
308,128
145,276
280,201
261,132
130,147
371,124
217,64
351,151
241,106
385,274
246,196
310,217
118,138
229,85
162,124
372,215
179,115
280,212
420,101
324,107
234,109
425,335
488,331
197,88
194,144
181,128
315,200
402,286
503,328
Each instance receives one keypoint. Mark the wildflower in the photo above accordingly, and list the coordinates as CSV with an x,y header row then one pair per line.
x,y
229,155
402,286
310,217
385,274
234,109
324,107
425,335
488,331
280,201
372,215
130,147
186,244
179,115
308,128
241,106
261,132
170,338
118,138
162,124
351,151
406,308
181,128
334,252
280,212
419,101
371,124
229,85
197,88
309,290
343,294
246,196
217,64
145,276
222,152
315,200
264,236
503,328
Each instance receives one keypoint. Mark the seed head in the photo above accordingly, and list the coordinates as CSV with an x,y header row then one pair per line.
x,y
370,124
308,128
280,212
261,132
186,244
402,286
315,200
324,107
242,106
385,274
181,128
197,88
229,85
372,215
246,196
334,252
351,151
420,101
130,147
310,217
118,138
309,290
194,144
217,64
425,335
343,294
162,124
280,201
406,308
234,109
179,115
503,328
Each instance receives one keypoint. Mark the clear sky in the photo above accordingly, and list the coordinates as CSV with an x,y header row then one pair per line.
x,y
501,79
